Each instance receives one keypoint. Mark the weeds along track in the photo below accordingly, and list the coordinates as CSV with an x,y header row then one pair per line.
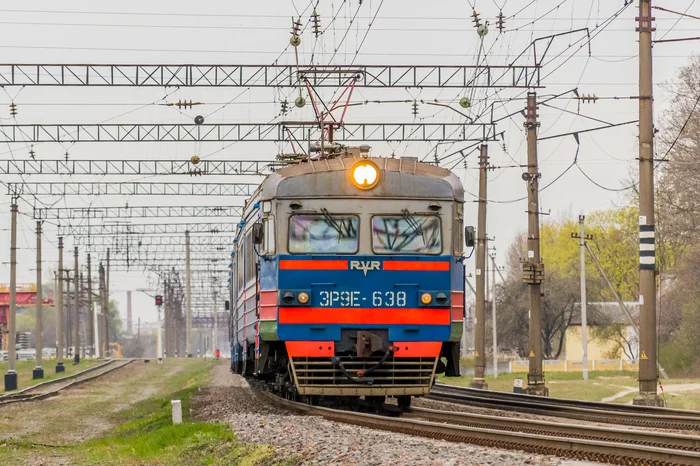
x,y
608,413
592,443
51,388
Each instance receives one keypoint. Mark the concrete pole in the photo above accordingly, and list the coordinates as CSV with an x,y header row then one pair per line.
x,y
90,345
101,337
166,320
69,318
105,316
76,304
480,317
494,327
129,323
188,297
533,269
59,310
647,259
11,376
584,315
38,372
215,344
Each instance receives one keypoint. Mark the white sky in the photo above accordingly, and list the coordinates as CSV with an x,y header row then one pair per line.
x,y
404,32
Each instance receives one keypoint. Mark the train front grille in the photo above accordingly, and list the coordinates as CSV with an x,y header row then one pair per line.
x,y
397,376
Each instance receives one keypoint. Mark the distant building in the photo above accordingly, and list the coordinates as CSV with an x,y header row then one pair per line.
x,y
611,335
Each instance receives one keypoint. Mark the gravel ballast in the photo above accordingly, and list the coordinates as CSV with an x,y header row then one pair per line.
x,y
316,441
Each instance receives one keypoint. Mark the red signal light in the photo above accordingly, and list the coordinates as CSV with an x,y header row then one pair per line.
x,y
218,353
159,300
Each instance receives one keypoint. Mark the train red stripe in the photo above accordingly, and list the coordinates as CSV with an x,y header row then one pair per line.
x,y
357,315
432,266
313,265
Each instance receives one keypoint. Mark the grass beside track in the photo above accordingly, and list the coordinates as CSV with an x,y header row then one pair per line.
x,y
143,432
147,436
600,385
25,367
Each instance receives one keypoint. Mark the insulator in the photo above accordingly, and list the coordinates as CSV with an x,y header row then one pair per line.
x,y
285,106
475,19
415,108
501,23
13,109
295,40
316,19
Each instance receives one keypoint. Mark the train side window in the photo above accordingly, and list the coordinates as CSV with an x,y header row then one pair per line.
x,y
250,257
269,235
240,260
458,230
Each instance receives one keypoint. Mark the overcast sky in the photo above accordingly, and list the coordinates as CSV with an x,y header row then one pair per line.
x,y
402,32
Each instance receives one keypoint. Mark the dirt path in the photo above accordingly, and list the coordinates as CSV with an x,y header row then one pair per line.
x,y
667,389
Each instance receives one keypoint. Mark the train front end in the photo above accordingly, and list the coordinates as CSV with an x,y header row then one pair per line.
x,y
366,287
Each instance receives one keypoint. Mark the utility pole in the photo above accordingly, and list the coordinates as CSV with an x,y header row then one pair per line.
x,y
188,291
59,310
166,319
493,315
69,319
582,237
105,316
90,312
480,320
38,372
11,376
533,268
129,323
76,298
215,345
647,256
102,343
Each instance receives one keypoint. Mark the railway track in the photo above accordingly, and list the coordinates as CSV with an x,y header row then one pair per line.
x,y
51,388
609,413
583,442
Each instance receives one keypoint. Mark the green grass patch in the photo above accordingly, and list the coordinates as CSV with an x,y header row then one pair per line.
x,y
147,436
600,384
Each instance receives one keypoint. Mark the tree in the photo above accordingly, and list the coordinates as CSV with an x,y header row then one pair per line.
x,y
615,233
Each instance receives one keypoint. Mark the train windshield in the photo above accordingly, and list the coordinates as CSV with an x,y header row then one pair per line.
x,y
327,233
406,234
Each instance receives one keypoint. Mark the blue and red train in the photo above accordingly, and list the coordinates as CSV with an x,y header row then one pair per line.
x,y
348,280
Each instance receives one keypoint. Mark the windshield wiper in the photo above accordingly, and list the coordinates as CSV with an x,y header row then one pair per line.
x,y
413,223
331,221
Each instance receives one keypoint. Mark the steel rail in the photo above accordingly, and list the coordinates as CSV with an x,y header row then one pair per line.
x,y
569,402
592,432
533,405
584,449
25,394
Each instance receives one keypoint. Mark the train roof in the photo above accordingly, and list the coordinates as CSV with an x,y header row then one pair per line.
x,y
399,177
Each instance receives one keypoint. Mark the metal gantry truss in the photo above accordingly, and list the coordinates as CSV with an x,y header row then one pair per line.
x,y
134,250
137,167
224,239
252,132
138,229
371,76
79,213
57,188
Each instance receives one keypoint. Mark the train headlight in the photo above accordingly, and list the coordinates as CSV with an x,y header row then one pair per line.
x,y
303,297
364,174
426,298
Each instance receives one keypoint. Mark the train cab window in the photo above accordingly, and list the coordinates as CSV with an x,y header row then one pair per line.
x,y
406,234
323,234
